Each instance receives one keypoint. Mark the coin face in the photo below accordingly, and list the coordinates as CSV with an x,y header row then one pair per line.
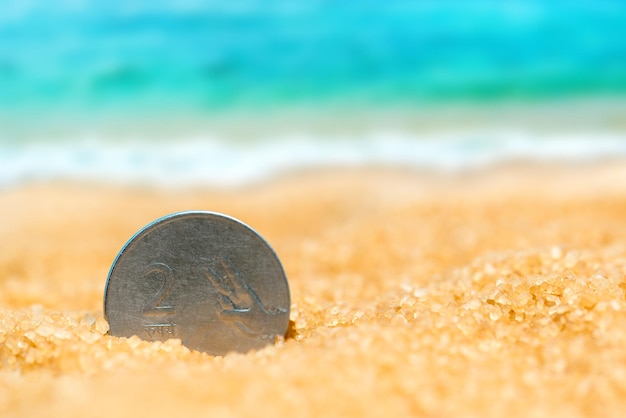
x,y
202,277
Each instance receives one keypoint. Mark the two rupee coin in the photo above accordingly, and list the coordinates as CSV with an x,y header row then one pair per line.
x,y
202,277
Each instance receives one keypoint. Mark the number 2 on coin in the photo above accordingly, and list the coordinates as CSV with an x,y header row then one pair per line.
x,y
157,305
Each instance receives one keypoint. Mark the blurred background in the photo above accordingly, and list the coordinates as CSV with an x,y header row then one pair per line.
x,y
190,92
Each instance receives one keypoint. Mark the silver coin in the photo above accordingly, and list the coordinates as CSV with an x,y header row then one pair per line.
x,y
202,277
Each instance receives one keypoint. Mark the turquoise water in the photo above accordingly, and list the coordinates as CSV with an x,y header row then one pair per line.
x,y
152,55
72,69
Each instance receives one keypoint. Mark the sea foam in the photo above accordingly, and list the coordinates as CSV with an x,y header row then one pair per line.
x,y
209,161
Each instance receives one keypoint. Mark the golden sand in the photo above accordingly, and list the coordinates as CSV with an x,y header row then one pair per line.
x,y
497,293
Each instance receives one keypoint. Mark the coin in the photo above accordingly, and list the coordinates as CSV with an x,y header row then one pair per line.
x,y
203,277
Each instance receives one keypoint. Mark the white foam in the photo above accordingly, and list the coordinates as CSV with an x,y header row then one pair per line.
x,y
210,161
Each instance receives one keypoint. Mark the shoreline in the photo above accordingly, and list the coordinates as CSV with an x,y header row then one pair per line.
x,y
198,162
601,175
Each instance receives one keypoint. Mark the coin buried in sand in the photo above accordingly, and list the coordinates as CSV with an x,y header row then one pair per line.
x,y
202,277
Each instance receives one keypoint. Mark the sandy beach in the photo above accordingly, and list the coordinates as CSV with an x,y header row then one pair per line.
x,y
485,293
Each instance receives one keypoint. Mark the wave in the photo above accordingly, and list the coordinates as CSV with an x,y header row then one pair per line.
x,y
194,162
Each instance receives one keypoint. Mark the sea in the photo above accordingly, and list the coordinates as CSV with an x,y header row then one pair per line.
x,y
187,93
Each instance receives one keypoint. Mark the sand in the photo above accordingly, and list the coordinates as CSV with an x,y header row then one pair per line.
x,y
488,293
